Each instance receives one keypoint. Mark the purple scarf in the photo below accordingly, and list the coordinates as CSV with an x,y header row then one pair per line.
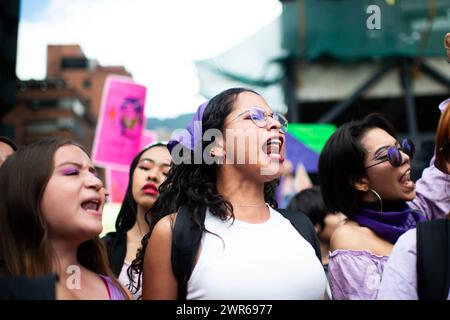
x,y
389,225
191,137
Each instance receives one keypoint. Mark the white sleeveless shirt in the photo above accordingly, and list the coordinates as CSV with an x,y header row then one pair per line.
x,y
264,261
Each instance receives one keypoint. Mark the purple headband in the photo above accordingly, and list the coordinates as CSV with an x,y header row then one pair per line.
x,y
192,135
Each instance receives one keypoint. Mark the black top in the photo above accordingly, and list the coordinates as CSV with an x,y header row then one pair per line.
x,y
116,244
24,288
433,259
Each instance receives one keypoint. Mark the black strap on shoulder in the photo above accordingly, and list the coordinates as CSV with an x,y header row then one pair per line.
x,y
116,245
304,226
433,259
25,288
185,241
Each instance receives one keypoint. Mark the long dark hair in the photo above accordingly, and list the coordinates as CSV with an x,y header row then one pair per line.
x,y
194,185
128,211
24,240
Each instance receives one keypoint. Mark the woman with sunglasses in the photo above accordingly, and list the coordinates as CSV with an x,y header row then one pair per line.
x,y
246,249
406,275
365,173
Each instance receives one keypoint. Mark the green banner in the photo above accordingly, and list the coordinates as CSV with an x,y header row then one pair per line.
x,y
361,29
313,136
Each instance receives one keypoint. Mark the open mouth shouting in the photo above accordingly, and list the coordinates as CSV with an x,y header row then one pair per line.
x,y
272,148
406,182
92,205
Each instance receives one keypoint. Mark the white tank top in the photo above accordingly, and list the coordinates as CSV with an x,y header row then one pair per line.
x,y
263,261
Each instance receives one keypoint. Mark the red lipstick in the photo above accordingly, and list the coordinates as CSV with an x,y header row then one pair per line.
x,y
150,189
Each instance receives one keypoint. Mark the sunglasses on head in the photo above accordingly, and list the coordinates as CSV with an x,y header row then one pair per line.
x,y
394,156
445,150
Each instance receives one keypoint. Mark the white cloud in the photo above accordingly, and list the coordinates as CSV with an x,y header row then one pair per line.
x,y
157,41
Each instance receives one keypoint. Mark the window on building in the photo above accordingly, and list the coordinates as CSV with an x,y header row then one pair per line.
x,y
74,63
87,83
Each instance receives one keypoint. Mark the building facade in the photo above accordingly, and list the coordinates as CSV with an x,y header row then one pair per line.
x,y
66,103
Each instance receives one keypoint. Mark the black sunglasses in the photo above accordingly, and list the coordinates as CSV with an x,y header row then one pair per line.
x,y
394,156
445,150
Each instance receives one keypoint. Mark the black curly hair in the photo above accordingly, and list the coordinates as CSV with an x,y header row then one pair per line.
x,y
194,185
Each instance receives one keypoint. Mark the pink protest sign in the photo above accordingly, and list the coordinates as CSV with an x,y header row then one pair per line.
x,y
147,138
120,124
116,184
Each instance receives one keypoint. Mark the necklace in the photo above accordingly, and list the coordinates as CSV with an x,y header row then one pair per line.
x,y
249,205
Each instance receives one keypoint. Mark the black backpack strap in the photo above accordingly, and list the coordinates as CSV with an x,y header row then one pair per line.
x,y
433,259
185,242
187,236
304,226
25,288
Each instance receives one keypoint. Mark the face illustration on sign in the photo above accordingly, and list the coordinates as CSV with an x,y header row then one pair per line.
x,y
131,118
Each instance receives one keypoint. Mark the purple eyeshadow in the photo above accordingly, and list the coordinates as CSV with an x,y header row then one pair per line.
x,y
70,171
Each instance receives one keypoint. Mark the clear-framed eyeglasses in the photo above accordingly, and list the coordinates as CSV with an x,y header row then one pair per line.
x,y
260,117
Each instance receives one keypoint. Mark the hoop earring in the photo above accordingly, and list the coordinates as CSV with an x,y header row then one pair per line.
x,y
379,198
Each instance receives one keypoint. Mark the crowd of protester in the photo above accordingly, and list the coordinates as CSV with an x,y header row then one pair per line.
x,y
212,229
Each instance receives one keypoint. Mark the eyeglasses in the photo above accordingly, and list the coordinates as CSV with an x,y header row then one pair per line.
x,y
260,117
445,149
394,156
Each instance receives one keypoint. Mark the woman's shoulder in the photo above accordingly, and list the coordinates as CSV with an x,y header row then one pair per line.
x,y
163,229
113,238
114,292
347,237
352,237
166,223
404,253
407,242
110,236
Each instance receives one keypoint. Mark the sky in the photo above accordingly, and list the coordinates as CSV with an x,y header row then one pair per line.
x,y
157,41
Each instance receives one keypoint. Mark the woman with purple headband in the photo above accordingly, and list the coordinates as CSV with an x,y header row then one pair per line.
x,y
365,172
246,249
